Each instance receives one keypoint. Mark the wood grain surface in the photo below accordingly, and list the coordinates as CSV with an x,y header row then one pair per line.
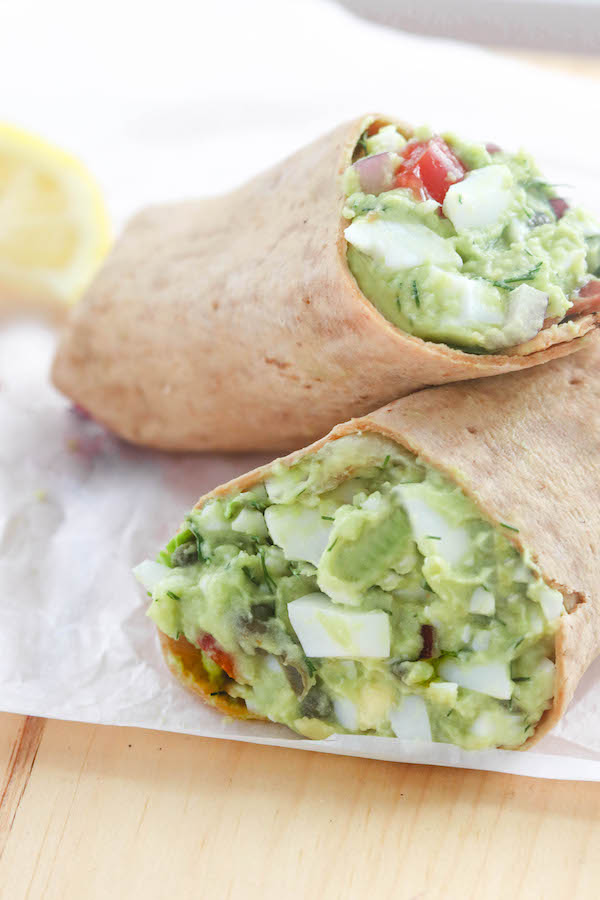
x,y
125,813
90,812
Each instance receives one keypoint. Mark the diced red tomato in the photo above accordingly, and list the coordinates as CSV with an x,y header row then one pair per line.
x,y
429,169
587,300
223,659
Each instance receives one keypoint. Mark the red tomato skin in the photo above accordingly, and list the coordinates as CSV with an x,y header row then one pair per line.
x,y
223,659
429,169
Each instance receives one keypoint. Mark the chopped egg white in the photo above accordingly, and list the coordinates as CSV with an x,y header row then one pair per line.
x,y
300,531
433,533
526,313
545,673
497,727
482,602
325,629
388,139
486,678
549,599
473,301
272,663
400,245
346,713
481,641
480,199
149,573
409,720
250,521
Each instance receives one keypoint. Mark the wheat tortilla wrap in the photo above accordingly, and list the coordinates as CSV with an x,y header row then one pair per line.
x,y
428,571
235,323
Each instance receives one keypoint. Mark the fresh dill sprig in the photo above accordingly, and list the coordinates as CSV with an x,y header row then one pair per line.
x,y
266,574
198,538
415,291
527,276
249,575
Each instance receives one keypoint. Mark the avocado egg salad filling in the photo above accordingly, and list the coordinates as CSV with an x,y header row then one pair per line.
x,y
359,591
462,243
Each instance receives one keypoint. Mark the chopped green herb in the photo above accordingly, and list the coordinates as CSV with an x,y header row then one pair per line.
x,y
521,679
362,141
309,665
258,504
331,546
510,527
268,580
328,518
460,198
536,183
219,694
527,276
249,575
386,461
198,538
433,537
173,596
415,291
519,642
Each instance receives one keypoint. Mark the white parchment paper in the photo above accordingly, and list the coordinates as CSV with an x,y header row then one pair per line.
x,y
212,93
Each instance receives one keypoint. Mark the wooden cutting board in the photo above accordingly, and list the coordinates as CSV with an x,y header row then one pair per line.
x,y
96,812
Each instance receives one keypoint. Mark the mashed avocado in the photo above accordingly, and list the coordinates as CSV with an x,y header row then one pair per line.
x,y
462,244
360,591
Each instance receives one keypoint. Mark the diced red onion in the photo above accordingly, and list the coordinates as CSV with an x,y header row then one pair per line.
x,y
376,173
559,206
493,148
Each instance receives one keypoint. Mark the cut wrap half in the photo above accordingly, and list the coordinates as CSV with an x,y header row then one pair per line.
x,y
429,571
237,322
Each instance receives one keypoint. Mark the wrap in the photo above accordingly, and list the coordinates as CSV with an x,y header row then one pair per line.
x,y
525,448
233,322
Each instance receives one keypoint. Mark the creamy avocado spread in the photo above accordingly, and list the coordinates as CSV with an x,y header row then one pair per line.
x,y
462,243
360,591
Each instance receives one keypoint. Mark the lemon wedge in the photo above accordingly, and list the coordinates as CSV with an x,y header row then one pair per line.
x,y
54,229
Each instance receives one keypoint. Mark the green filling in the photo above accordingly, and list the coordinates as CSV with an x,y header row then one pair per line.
x,y
370,531
463,297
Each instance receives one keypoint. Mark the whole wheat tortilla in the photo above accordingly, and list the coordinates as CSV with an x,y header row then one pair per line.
x,y
526,448
234,323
